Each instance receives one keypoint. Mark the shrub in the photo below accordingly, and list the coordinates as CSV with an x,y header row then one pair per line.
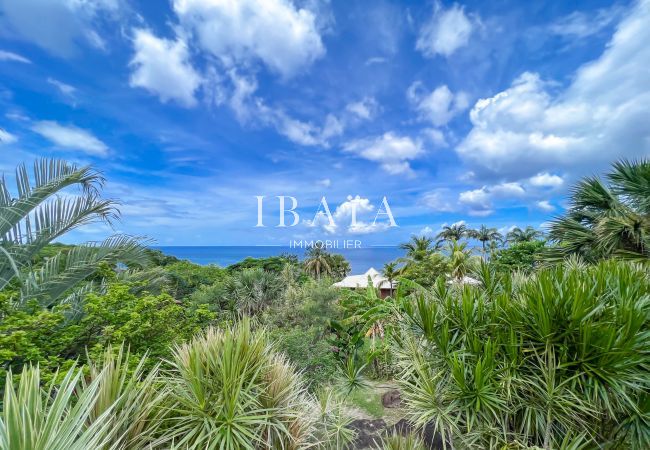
x,y
229,389
556,360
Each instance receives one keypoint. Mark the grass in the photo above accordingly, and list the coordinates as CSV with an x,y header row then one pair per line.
x,y
367,400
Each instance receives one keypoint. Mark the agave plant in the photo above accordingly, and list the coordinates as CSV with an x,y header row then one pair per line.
x,y
554,360
230,390
41,211
606,221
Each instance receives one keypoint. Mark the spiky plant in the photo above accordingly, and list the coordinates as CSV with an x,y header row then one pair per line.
x,y
607,221
556,360
230,390
42,209
399,442
252,290
60,416
132,398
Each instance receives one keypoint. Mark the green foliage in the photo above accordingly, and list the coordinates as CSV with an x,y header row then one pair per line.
x,y
273,264
605,221
253,290
428,270
39,215
556,360
186,277
368,400
521,256
398,442
230,390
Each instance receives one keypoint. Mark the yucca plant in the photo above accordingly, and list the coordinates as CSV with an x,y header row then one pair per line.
x,y
399,442
555,360
42,209
132,398
230,390
60,416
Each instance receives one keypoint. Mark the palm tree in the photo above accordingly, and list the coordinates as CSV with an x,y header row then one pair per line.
x,y
529,234
606,221
391,272
460,259
485,235
318,262
43,212
418,248
454,232
252,290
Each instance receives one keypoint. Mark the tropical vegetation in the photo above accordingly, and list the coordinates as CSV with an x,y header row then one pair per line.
x,y
492,342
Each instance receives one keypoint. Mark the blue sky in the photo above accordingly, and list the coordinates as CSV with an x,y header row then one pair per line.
x,y
484,112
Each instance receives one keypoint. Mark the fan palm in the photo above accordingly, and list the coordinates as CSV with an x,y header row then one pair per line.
x,y
485,235
42,211
523,235
454,232
606,221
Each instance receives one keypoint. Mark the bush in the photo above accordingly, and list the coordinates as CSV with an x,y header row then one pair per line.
x,y
521,256
556,360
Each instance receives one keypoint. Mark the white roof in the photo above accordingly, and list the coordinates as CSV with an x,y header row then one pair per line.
x,y
361,281
465,280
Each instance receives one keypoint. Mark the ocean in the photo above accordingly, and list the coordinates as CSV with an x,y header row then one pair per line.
x,y
361,259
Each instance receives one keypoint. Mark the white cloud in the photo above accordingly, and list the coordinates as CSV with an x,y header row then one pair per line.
x,y
343,218
162,67
393,152
545,205
6,137
56,26
65,89
71,137
601,116
284,37
446,31
438,106
436,137
578,24
426,231
364,109
10,56
481,200
441,200
545,179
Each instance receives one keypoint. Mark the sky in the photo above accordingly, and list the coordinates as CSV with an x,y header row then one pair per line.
x,y
482,112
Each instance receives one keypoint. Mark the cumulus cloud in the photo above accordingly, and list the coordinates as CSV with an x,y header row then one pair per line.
x,y
438,106
163,67
10,56
364,109
545,205
71,137
602,115
391,151
56,26
356,207
545,179
481,200
285,38
446,31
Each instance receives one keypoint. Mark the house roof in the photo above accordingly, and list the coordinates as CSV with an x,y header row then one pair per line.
x,y
361,281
